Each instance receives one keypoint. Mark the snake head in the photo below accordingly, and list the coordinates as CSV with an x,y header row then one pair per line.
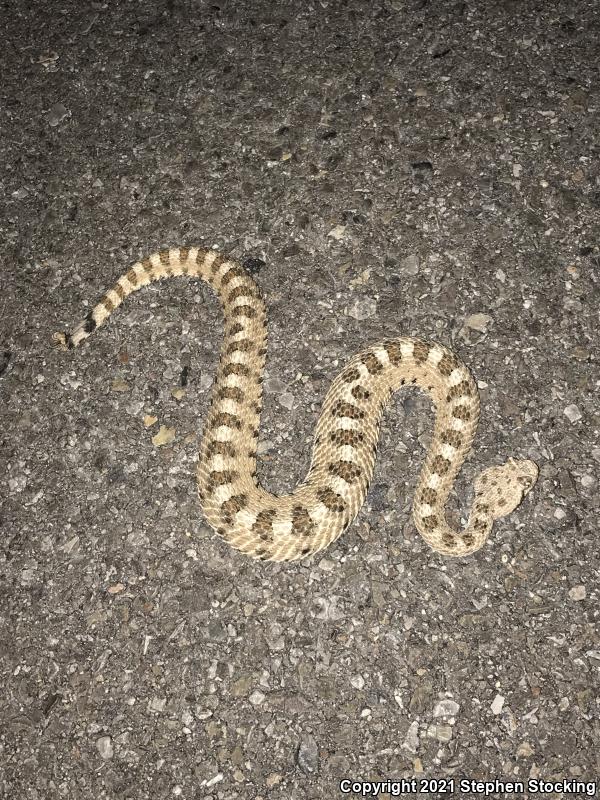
x,y
526,473
60,340
503,488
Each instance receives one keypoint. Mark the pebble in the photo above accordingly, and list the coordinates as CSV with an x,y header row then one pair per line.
x,y
28,576
57,113
362,309
164,436
256,698
242,685
410,265
362,279
264,446
70,546
105,747
307,756
205,382
157,704
443,733
581,353
497,704
578,592
17,484
420,698
446,708
572,413
411,741
327,565
524,750
274,385
357,681
478,322
337,232
287,400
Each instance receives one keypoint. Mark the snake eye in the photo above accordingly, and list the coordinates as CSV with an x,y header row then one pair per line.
x,y
526,482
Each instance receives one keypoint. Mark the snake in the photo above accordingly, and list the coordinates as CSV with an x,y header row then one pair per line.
x,y
291,526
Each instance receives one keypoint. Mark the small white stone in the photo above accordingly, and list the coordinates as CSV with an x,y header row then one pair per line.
x,y
517,169
264,445
411,742
410,264
478,322
71,545
497,704
572,413
443,733
446,708
17,484
205,381
287,400
337,232
28,576
357,681
524,750
256,698
578,592
362,309
157,704
588,481
327,565
105,747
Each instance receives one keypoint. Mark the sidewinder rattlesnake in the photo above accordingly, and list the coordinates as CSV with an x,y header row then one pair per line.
x,y
289,527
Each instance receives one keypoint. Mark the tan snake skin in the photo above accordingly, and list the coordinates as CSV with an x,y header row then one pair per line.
x,y
321,508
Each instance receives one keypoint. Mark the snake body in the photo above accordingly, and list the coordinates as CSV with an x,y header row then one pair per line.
x,y
284,528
